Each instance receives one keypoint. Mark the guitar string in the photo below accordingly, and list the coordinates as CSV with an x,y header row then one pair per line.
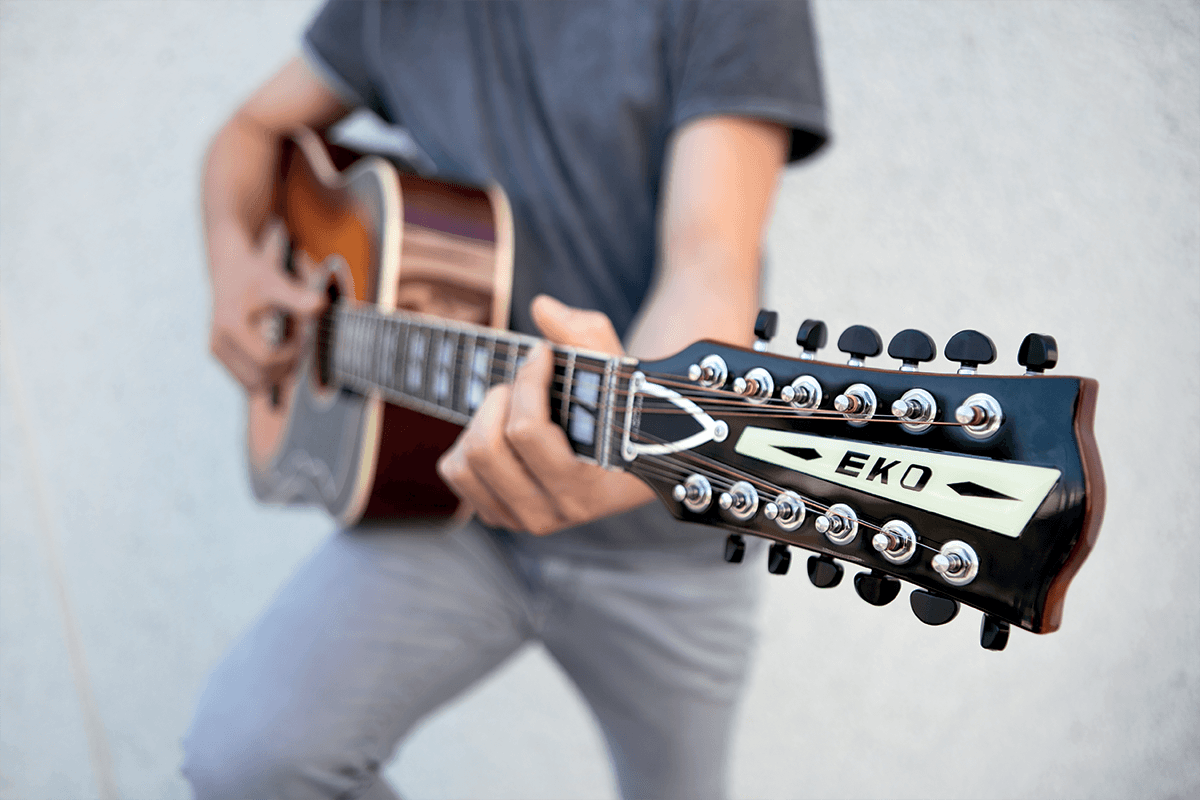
x,y
737,404
664,468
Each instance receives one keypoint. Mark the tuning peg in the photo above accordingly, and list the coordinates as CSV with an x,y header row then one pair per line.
x,y
735,548
779,558
876,588
970,349
993,633
824,572
933,609
1038,353
764,328
860,342
811,337
912,346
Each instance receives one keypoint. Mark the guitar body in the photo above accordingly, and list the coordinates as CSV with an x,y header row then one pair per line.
x,y
374,237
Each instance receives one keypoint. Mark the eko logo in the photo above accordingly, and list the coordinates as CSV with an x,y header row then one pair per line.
x,y
914,478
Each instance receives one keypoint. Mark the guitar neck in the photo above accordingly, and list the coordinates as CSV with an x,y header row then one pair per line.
x,y
444,369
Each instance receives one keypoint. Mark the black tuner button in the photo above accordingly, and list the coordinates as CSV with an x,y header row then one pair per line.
x,y
824,572
912,347
1038,353
970,348
933,609
779,559
764,328
811,337
860,342
735,548
993,633
876,588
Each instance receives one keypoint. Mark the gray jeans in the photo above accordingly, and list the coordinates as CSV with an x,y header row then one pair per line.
x,y
381,627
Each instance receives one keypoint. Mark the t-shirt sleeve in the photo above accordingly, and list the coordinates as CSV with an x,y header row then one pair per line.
x,y
335,48
754,58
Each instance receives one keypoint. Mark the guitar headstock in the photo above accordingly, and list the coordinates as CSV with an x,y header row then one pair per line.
x,y
979,489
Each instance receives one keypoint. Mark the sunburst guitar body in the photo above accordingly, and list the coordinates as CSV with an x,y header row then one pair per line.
x,y
380,238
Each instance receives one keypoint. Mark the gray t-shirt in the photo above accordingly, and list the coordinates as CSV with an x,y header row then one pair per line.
x,y
570,106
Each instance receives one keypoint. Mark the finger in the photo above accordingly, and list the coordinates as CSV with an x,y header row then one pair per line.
x,y
576,327
491,460
452,469
278,287
281,291
539,444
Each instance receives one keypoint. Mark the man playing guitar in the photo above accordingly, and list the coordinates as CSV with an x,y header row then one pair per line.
x,y
641,146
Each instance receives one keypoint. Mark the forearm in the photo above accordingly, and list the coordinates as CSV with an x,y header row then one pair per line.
x,y
239,173
714,295
720,186
240,167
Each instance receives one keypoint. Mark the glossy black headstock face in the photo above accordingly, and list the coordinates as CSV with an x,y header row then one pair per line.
x,y
973,487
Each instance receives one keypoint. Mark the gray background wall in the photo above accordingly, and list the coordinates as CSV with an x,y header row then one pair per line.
x,y
1004,166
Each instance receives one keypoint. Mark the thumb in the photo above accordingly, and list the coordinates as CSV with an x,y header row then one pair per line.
x,y
574,327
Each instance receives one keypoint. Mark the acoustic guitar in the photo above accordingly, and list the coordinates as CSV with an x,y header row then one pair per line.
x,y
975,488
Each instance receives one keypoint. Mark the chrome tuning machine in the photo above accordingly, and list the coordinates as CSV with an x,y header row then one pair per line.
x,y
711,372
786,510
916,410
803,393
839,523
980,415
695,493
757,386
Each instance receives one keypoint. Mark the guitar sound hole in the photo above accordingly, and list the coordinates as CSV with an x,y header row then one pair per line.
x,y
324,354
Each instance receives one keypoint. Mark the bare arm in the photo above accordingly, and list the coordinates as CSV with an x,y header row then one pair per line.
x,y
514,466
244,255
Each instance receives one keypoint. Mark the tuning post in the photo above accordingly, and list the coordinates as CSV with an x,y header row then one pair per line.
x,y
695,493
711,372
740,502
839,523
856,404
757,386
786,510
956,563
916,410
896,541
803,393
980,415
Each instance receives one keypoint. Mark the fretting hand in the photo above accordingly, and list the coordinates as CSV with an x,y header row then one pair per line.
x,y
514,466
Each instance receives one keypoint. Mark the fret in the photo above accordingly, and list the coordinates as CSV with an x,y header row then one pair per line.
x,y
514,349
609,404
398,360
564,414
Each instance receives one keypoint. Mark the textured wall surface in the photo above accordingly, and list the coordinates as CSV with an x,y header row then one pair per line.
x,y
1007,167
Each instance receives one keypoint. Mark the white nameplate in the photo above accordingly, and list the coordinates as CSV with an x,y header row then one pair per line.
x,y
996,495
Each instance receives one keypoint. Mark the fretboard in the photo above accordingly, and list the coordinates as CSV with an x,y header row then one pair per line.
x,y
444,369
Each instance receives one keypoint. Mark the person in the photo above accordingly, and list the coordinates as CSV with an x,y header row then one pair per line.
x,y
640,145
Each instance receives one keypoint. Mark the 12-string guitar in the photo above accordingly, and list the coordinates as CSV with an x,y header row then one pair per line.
x,y
978,489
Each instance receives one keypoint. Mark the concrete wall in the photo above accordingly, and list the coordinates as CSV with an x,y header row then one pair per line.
x,y
1008,167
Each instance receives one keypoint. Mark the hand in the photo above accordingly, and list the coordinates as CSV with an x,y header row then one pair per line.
x,y
514,466
249,289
